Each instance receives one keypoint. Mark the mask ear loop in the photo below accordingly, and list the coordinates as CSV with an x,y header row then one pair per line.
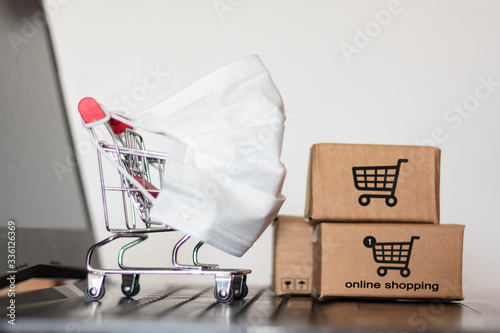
x,y
129,121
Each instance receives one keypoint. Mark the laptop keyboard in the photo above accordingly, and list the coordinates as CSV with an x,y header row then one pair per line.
x,y
194,308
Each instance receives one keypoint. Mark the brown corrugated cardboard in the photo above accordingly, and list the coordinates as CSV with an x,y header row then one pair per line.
x,y
342,177
388,260
292,269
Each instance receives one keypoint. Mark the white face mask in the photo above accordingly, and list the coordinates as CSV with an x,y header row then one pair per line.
x,y
223,178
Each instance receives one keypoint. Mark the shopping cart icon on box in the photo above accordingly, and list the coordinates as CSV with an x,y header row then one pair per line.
x,y
395,254
377,178
138,179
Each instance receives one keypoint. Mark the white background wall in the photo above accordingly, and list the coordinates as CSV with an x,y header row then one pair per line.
x,y
349,71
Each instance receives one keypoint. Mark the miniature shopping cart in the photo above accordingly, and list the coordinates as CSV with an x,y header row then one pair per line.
x,y
377,178
395,254
138,179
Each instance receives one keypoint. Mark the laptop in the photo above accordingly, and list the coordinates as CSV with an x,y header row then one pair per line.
x,y
45,233
45,222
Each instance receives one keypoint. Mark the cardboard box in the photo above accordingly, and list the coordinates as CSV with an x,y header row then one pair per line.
x,y
388,260
292,269
371,183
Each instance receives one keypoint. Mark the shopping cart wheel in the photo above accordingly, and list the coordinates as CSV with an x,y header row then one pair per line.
x,y
240,288
243,292
130,285
381,271
92,297
391,201
405,272
222,297
364,200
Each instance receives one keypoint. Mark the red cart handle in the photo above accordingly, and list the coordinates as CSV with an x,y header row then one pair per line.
x,y
92,113
117,126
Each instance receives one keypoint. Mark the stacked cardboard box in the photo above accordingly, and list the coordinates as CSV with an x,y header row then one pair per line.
x,y
293,256
373,229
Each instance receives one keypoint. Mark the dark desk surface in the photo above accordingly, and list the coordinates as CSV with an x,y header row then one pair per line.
x,y
192,309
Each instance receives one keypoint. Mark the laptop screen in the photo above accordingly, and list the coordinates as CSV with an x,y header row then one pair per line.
x,y
44,227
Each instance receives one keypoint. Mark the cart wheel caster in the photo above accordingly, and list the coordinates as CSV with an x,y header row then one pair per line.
x,y
222,297
381,271
391,201
243,293
131,291
130,285
364,200
405,272
91,294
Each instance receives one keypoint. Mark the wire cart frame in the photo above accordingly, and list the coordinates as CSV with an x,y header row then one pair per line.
x,y
140,174
395,254
377,178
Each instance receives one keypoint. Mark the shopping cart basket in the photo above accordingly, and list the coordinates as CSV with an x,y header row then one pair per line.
x,y
395,254
377,178
139,173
